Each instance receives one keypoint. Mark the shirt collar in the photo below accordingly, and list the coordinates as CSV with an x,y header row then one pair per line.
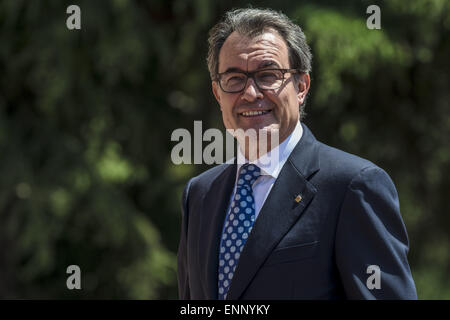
x,y
269,163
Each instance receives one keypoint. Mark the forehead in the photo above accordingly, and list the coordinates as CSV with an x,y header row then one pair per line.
x,y
246,53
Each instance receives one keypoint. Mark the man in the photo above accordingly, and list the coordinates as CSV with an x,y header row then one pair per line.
x,y
317,223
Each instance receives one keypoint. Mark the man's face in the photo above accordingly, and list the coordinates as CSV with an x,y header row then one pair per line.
x,y
281,105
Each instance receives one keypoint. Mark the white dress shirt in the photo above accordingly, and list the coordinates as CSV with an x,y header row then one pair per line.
x,y
270,168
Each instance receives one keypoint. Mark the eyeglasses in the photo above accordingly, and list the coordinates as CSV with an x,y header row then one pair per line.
x,y
266,79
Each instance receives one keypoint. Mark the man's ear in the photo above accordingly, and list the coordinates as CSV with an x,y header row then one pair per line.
x,y
303,87
215,90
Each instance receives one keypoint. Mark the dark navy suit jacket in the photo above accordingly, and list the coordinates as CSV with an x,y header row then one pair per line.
x,y
318,248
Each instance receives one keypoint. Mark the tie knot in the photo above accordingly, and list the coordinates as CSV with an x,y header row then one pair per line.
x,y
248,175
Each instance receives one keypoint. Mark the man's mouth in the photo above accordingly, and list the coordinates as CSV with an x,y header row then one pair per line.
x,y
254,113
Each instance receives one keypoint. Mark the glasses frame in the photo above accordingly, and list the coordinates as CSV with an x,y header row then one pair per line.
x,y
252,75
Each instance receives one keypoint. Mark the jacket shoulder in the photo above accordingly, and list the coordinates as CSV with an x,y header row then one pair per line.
x,y
339,164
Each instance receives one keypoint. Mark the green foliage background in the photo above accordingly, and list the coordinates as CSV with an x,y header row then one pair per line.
x,y
86,118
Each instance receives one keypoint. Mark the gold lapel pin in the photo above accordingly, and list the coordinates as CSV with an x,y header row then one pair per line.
x,y
298,198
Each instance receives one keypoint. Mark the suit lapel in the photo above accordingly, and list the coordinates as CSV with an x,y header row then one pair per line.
x,y
278,214
216,202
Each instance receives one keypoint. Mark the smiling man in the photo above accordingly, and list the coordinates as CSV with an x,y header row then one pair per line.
x,y
317,223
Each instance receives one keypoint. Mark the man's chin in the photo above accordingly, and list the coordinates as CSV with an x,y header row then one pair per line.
x,y
263,137
262,129
257,126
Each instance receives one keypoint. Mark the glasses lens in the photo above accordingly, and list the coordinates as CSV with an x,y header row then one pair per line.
x,y
269,79
233,81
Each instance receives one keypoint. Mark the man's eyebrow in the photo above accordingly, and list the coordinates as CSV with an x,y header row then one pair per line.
x,y
266,64
233,69
262,65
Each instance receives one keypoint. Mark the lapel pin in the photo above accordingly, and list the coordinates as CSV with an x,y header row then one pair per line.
x,y
298,198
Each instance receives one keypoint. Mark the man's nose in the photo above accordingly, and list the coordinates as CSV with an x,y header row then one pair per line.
x,y
251,91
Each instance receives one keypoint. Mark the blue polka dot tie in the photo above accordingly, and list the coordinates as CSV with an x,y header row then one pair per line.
x,y
238,226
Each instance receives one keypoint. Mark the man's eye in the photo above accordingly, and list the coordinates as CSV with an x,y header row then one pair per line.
x,y
236,78
268,75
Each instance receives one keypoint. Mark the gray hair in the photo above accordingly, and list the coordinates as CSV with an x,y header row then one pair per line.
x,y
252,22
